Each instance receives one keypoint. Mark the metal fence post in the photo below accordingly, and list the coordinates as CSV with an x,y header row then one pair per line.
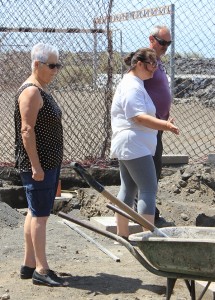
x,y
172,55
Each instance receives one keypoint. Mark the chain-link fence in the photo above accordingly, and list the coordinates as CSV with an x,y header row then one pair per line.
x,y
92,37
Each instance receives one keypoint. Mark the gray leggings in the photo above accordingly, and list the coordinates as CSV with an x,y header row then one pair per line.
x,y
138,175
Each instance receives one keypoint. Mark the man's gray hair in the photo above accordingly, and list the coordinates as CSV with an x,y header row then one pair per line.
x,y
156,29
41,52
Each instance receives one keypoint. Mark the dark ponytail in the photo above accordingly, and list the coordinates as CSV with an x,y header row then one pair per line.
x,y
142,54
128,58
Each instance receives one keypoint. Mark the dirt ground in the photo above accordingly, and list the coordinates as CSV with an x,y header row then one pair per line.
x,y
186,196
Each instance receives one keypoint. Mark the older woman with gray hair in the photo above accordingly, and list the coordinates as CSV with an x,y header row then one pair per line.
x,y
39,154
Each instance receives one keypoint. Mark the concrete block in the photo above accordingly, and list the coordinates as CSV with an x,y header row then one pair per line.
x,y
109,224
175,159
61,203
64,196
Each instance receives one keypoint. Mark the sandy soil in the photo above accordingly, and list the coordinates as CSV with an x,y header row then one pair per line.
x,y
183,194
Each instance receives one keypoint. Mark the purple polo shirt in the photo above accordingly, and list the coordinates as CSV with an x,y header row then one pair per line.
x,y
159,91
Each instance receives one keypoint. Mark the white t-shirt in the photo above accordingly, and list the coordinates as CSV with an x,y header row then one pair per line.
x,y
131,140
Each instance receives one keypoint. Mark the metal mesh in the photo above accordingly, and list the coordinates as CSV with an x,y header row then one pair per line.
x,y
92,37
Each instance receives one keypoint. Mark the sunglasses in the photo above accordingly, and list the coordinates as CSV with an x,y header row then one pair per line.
x,y
162,42
52,66
153,64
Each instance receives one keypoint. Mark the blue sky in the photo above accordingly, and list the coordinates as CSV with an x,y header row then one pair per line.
x,y
194,25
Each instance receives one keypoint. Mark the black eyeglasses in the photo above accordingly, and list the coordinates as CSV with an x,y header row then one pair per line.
x,y
52,66
162,42
153,64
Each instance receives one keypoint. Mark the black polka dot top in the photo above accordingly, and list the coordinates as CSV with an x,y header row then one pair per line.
x,y
48,131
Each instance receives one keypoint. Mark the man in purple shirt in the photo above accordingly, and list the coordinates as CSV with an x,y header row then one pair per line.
x,y
158,89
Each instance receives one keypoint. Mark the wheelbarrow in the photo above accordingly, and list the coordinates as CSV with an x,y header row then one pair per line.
x,y
186,253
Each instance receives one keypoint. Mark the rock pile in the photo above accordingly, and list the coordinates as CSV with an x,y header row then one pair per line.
x,y
195,77
9,217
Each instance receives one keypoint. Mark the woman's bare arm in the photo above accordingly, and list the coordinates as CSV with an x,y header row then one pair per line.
x,y
155,123
30,102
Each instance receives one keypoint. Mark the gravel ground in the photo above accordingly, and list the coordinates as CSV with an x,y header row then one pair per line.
x,y
184,194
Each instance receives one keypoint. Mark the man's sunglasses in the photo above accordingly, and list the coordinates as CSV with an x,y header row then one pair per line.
x,y
52,66
162,42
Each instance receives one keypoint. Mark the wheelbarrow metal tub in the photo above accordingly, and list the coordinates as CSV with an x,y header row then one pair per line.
x,y
187,250
173,252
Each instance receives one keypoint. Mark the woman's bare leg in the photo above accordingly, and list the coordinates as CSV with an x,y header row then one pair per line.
x,y
122,225
38,232
29,256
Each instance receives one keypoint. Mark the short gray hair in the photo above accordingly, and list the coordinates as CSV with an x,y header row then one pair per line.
x,y
41,52
156,29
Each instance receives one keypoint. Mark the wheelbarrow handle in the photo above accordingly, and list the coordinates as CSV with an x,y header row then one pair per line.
x,y
98,187
87,177
113,236
88,225
122,213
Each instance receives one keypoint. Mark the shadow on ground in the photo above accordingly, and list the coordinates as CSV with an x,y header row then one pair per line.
x,y
112,284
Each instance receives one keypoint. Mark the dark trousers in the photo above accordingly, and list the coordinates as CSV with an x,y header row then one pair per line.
x,y
158,155
158,163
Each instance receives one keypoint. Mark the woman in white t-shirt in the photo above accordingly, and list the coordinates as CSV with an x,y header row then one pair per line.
x,y
134,138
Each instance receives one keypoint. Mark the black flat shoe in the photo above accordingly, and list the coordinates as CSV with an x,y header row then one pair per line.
x,y
49,279
26,272
157,213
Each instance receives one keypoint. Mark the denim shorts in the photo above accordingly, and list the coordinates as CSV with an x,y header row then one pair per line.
x,y
41,194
